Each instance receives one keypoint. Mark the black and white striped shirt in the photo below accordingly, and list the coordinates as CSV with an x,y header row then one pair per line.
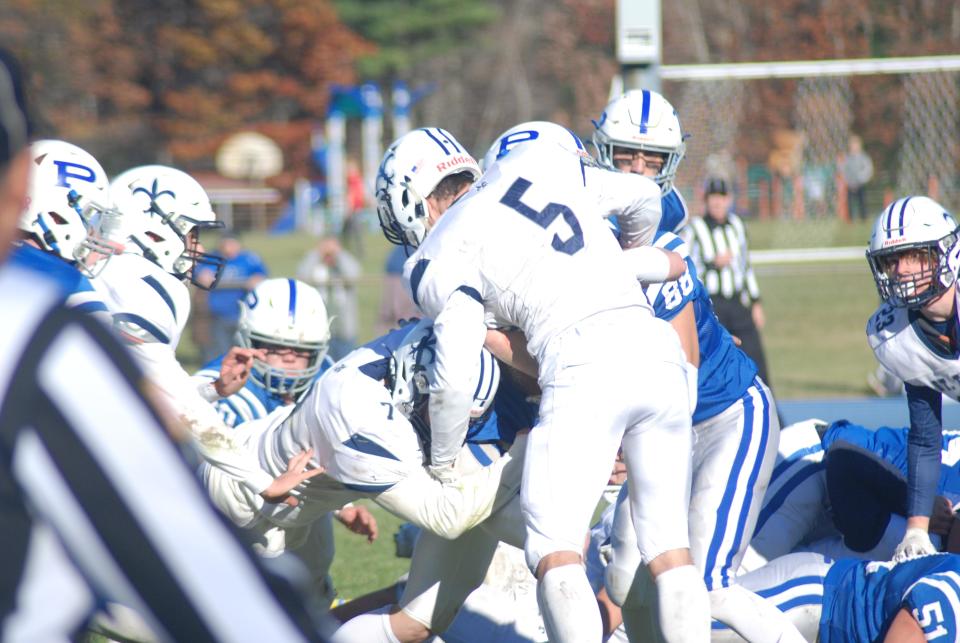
x,y
98,503
709,240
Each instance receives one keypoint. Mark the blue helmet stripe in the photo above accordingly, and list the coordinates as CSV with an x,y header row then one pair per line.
x,y
902,209
450,140
890,219
645,111
293,300
436,140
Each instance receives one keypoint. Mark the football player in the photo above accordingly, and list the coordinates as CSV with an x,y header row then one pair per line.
x,y
853,601
639,132
285,322
913,255
736,432
162,211
68,188
527,248
849,480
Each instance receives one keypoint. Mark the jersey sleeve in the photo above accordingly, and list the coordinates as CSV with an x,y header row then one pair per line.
x,y
934,601
152,312
633,198
669,298
923,448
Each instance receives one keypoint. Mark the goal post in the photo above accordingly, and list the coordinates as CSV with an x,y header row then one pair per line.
x,y
779,130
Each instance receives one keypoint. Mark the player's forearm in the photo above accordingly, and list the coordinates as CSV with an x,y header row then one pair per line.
x,y
654,265
448,510
923,450
460,333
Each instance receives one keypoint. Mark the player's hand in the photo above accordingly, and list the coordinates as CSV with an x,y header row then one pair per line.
x,y
359,520
618,475
279,490
942,518
235,369
444,473
915,543
723,259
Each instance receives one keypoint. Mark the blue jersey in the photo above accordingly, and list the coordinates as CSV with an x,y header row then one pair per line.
x,y
860,599
253,401
674,212
224,300
890,445
725,371
74,286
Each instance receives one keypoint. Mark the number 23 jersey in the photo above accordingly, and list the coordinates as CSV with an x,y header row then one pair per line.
x,y
901,344
529,243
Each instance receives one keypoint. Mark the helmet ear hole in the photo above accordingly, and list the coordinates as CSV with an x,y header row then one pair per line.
x,y
405,198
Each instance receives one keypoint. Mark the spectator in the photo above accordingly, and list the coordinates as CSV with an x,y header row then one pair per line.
x,y
241,274
857,171
352,233
719,250
334,272
395,301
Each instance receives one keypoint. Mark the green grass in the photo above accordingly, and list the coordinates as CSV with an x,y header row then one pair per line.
x,y
361,567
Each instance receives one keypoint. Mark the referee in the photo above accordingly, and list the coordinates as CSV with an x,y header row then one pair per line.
x,y
719,250
97,502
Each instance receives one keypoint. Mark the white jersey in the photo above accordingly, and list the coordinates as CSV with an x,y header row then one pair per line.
x,y
526,247
150,308
529,241
903,349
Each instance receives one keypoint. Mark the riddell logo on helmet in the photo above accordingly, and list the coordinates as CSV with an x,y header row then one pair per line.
x,y
456,161
893,242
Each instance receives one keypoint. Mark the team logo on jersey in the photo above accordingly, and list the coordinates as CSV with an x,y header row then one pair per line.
x,y
67,171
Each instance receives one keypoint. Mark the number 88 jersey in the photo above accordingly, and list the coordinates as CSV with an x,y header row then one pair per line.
x,y
725,372
530,244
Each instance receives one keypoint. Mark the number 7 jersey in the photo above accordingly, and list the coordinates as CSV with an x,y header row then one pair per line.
x,y
529,242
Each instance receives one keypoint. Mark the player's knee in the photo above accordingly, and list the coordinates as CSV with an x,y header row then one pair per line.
x,y
407,629
557,559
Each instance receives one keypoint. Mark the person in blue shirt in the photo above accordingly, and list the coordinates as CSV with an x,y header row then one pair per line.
x,y
243,270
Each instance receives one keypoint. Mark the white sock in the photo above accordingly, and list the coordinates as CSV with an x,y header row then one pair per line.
x,y
568,606
373,627
684,606
752,617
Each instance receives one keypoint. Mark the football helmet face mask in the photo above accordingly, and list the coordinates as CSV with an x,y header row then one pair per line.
x,y
541,131
285,314
67,192
641,120
171,208
913,231
411,169
411,371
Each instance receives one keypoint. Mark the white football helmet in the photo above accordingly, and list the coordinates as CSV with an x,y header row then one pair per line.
x,y
171,209
68,189
289,314
912,224
411,169
411,370
532,131
641,120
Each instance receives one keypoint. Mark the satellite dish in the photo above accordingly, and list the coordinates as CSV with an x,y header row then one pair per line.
x,y
249,156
